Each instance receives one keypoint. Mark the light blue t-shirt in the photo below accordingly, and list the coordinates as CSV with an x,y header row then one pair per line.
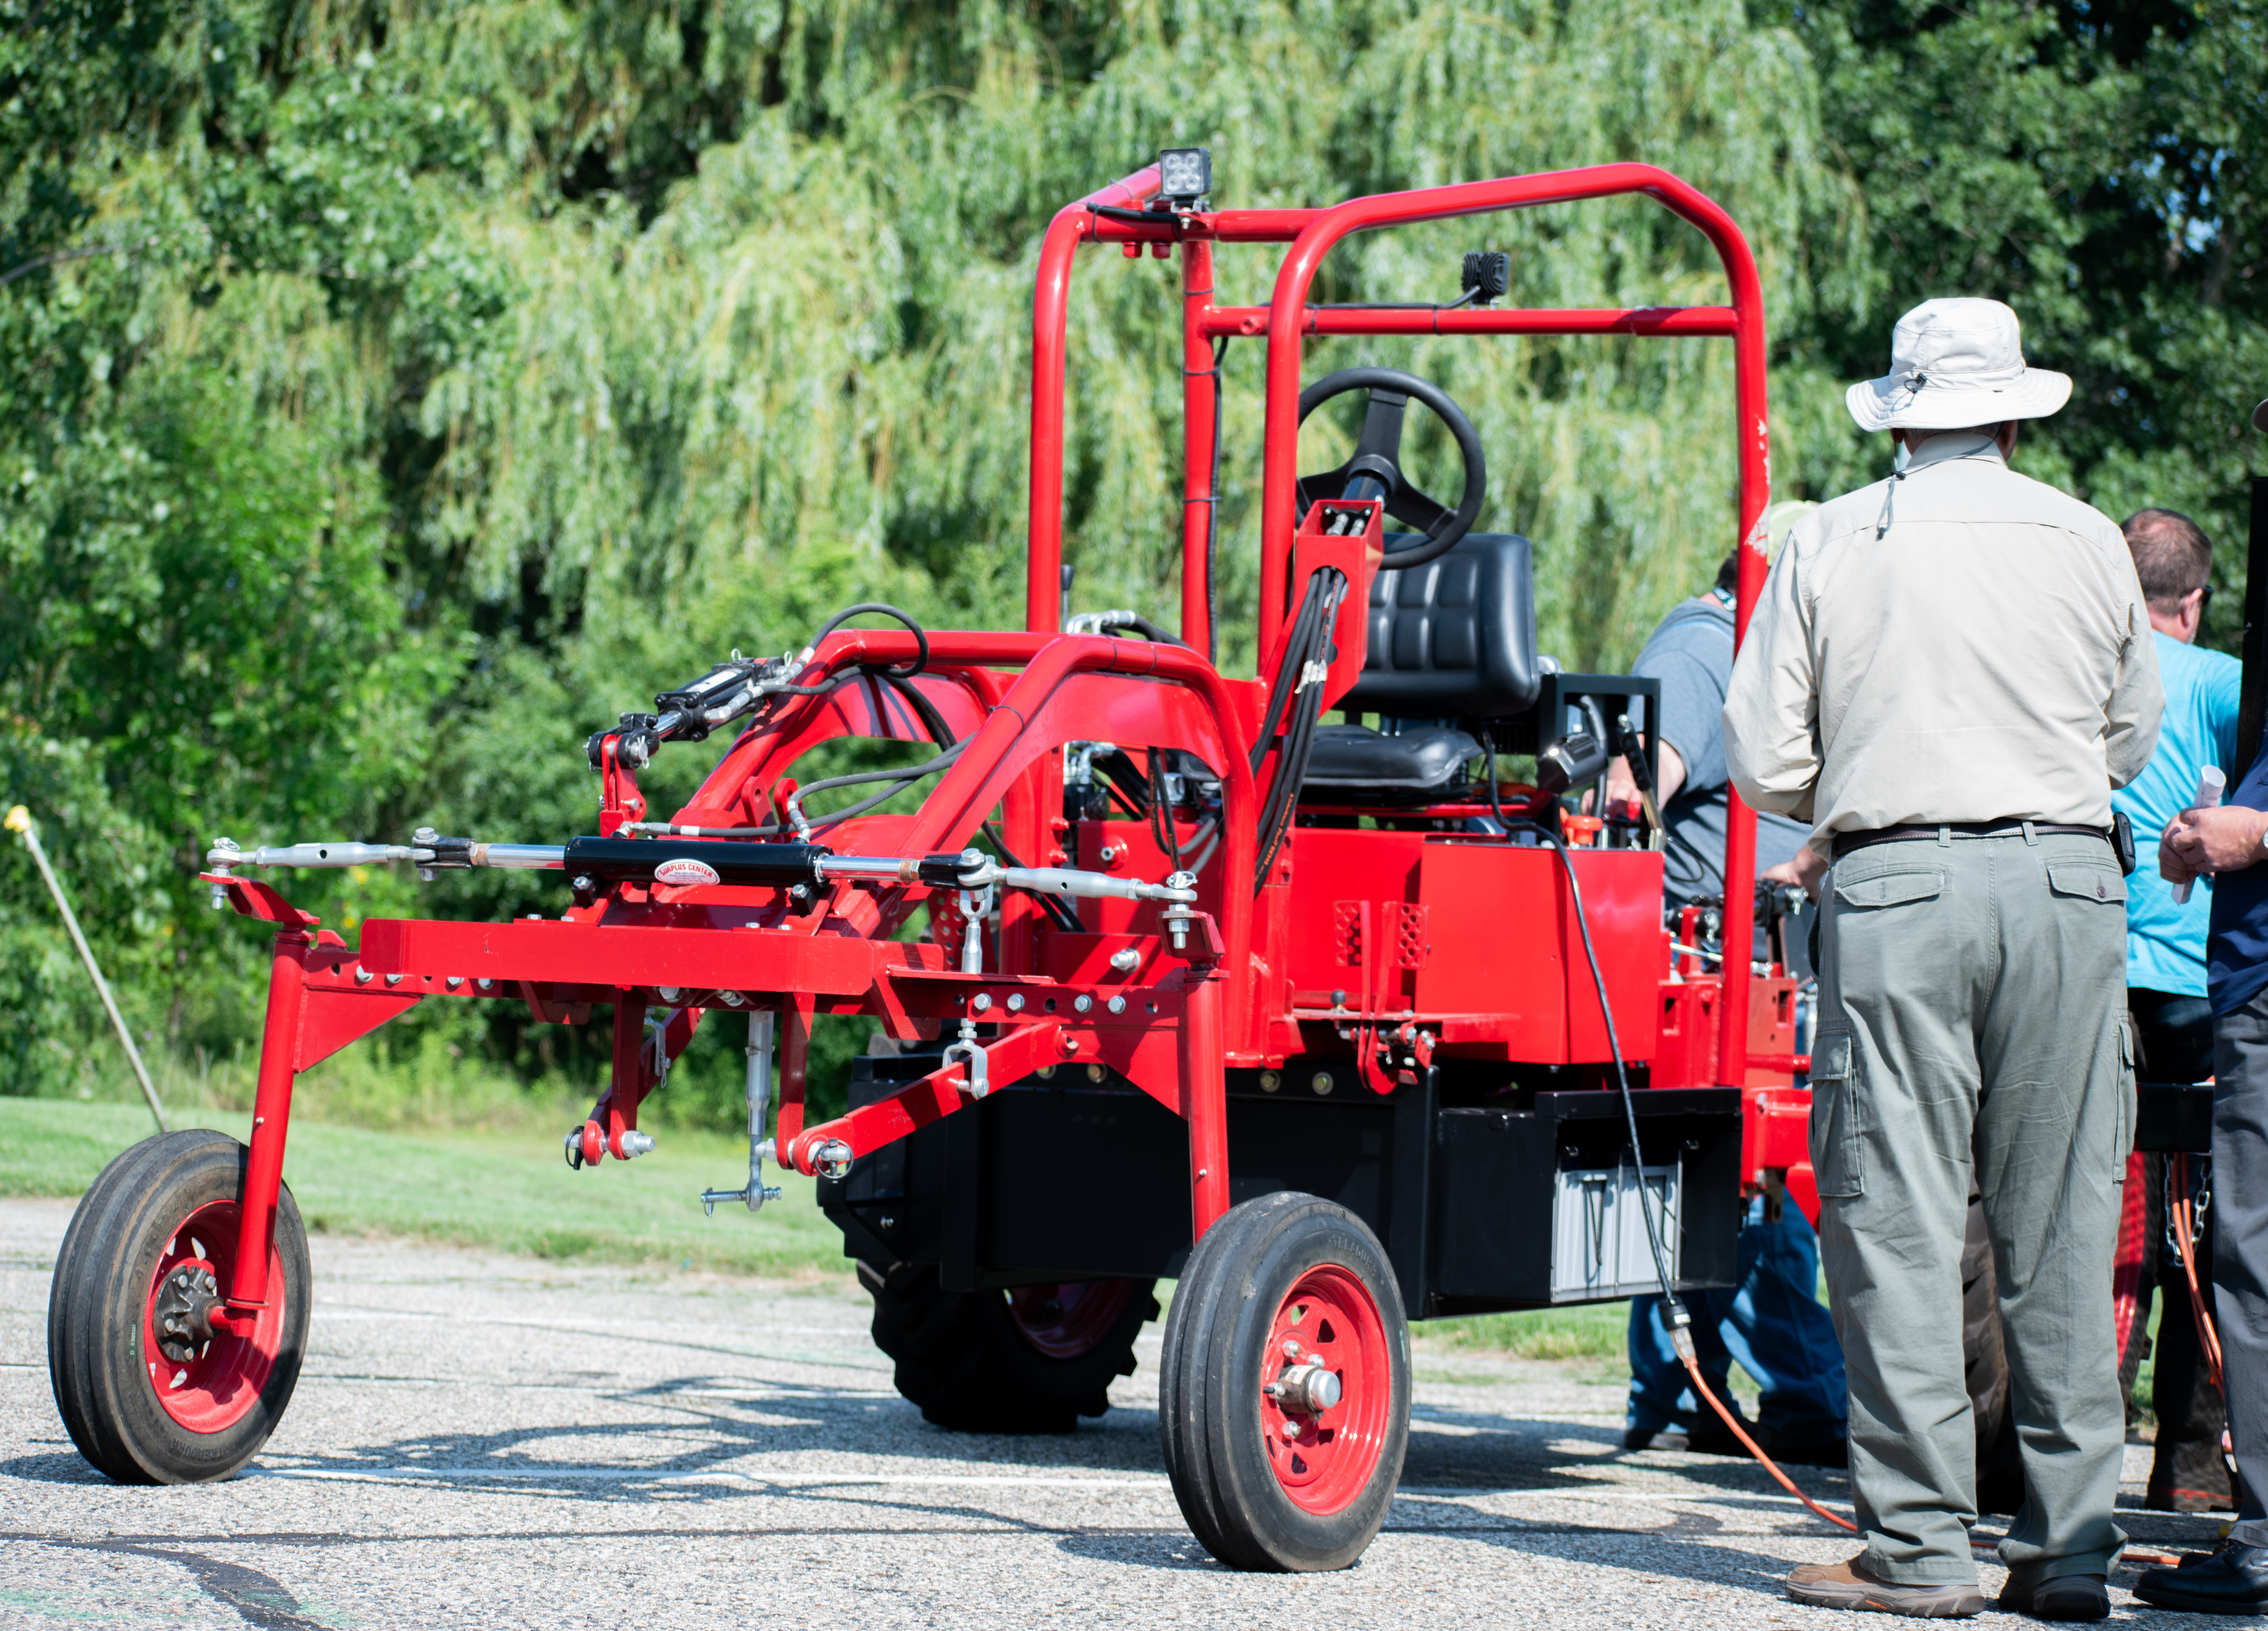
x,y
2165,943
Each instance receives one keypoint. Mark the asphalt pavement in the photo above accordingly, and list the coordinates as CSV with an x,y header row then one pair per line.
x,y
481,1440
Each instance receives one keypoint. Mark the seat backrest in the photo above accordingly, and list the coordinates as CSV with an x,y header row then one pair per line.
x,y
1455,638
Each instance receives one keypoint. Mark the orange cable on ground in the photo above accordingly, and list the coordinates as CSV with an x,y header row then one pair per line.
x,y
1683,1341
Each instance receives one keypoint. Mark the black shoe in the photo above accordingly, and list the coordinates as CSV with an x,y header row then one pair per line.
x,y
2066,1597
1650,1438
2232,1581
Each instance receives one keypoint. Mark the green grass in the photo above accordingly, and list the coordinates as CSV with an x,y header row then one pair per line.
x,y
507,1191
1591,1331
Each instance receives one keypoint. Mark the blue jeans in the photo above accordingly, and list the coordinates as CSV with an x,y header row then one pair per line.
x,y
1771,1322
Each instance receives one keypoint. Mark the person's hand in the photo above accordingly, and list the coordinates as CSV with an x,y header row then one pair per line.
x,y
2225,839
2169,860
1804,871
1621,784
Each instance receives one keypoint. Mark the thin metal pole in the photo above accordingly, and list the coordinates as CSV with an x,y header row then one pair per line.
x,y
19,822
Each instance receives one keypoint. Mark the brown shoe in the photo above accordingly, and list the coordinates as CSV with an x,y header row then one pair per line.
x,y
1847,1585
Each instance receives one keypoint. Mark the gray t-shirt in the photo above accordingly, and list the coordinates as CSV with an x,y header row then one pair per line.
x,y
1690,653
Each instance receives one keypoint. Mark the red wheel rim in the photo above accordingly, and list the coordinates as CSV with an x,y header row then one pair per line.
x,y
212,1390
1070,1320
1324,1458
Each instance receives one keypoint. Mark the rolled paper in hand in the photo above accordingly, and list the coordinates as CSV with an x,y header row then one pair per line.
x,y
2211,784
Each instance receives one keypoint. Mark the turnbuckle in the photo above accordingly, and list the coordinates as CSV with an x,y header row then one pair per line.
x,y
754,1193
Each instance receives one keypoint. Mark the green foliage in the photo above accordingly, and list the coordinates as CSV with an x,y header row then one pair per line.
x,y
390,394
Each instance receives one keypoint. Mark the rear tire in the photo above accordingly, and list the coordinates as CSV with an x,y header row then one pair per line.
x,y
1267,1482
1031,1361
157,1229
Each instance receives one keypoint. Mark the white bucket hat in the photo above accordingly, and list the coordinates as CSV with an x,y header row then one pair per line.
x,y
1955,363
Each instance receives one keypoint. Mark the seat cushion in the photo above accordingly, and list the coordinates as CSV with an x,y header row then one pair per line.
x,y
1355,763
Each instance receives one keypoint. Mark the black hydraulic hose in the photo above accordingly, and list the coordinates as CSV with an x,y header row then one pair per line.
x,y
1679,1319
1674,1311
1310,641
880,608
933,721
1148,630
899,779
1280,689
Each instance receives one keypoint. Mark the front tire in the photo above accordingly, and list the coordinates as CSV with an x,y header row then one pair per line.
x,y
149,1393
1284,1401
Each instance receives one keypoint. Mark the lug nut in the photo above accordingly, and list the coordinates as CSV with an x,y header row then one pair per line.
x,y
1291,1429
1291,1348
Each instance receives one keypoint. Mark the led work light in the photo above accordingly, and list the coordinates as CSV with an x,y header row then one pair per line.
x,y
1184,175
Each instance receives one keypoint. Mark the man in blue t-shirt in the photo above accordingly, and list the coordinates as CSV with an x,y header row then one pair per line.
x,y
2165,968
1771,1321
2229,845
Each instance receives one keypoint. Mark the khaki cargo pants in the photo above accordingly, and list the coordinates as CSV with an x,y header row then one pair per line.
x,y
1973,1010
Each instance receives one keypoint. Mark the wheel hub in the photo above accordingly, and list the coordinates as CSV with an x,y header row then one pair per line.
x,y
1324,1412
183,1310
1306,1389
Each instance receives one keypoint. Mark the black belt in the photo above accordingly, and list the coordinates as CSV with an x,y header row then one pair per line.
x,y
1845,842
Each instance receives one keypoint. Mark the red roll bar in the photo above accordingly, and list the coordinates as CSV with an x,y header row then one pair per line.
x,y
1288,316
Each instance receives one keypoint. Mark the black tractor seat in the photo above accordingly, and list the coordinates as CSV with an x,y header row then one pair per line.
x,y
1455,638
1353,765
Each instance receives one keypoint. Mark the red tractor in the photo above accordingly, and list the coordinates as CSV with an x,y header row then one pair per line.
x,y
1418,1037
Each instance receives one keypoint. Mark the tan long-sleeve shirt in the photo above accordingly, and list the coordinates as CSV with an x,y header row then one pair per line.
x,y
1960,643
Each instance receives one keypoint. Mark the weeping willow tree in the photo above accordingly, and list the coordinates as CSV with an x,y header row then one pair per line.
x,y
398,391
821,341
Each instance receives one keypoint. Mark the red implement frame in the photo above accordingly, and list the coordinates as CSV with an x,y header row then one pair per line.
x,y
1268,970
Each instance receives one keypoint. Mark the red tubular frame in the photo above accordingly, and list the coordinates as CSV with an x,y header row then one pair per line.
x,y
1051,325
826,957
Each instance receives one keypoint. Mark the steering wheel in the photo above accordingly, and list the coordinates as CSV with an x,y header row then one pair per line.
x,y
1374,470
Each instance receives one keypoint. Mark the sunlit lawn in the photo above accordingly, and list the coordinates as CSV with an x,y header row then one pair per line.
x,y
511,1191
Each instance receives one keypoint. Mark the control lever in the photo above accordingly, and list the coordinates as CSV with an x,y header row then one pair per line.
x,y
1633,754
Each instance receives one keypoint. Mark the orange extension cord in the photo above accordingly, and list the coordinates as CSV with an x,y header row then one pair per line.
x,y
2184,1221
1682,1340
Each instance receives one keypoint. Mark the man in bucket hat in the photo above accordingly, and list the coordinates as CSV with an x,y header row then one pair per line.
x,y
1950,671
